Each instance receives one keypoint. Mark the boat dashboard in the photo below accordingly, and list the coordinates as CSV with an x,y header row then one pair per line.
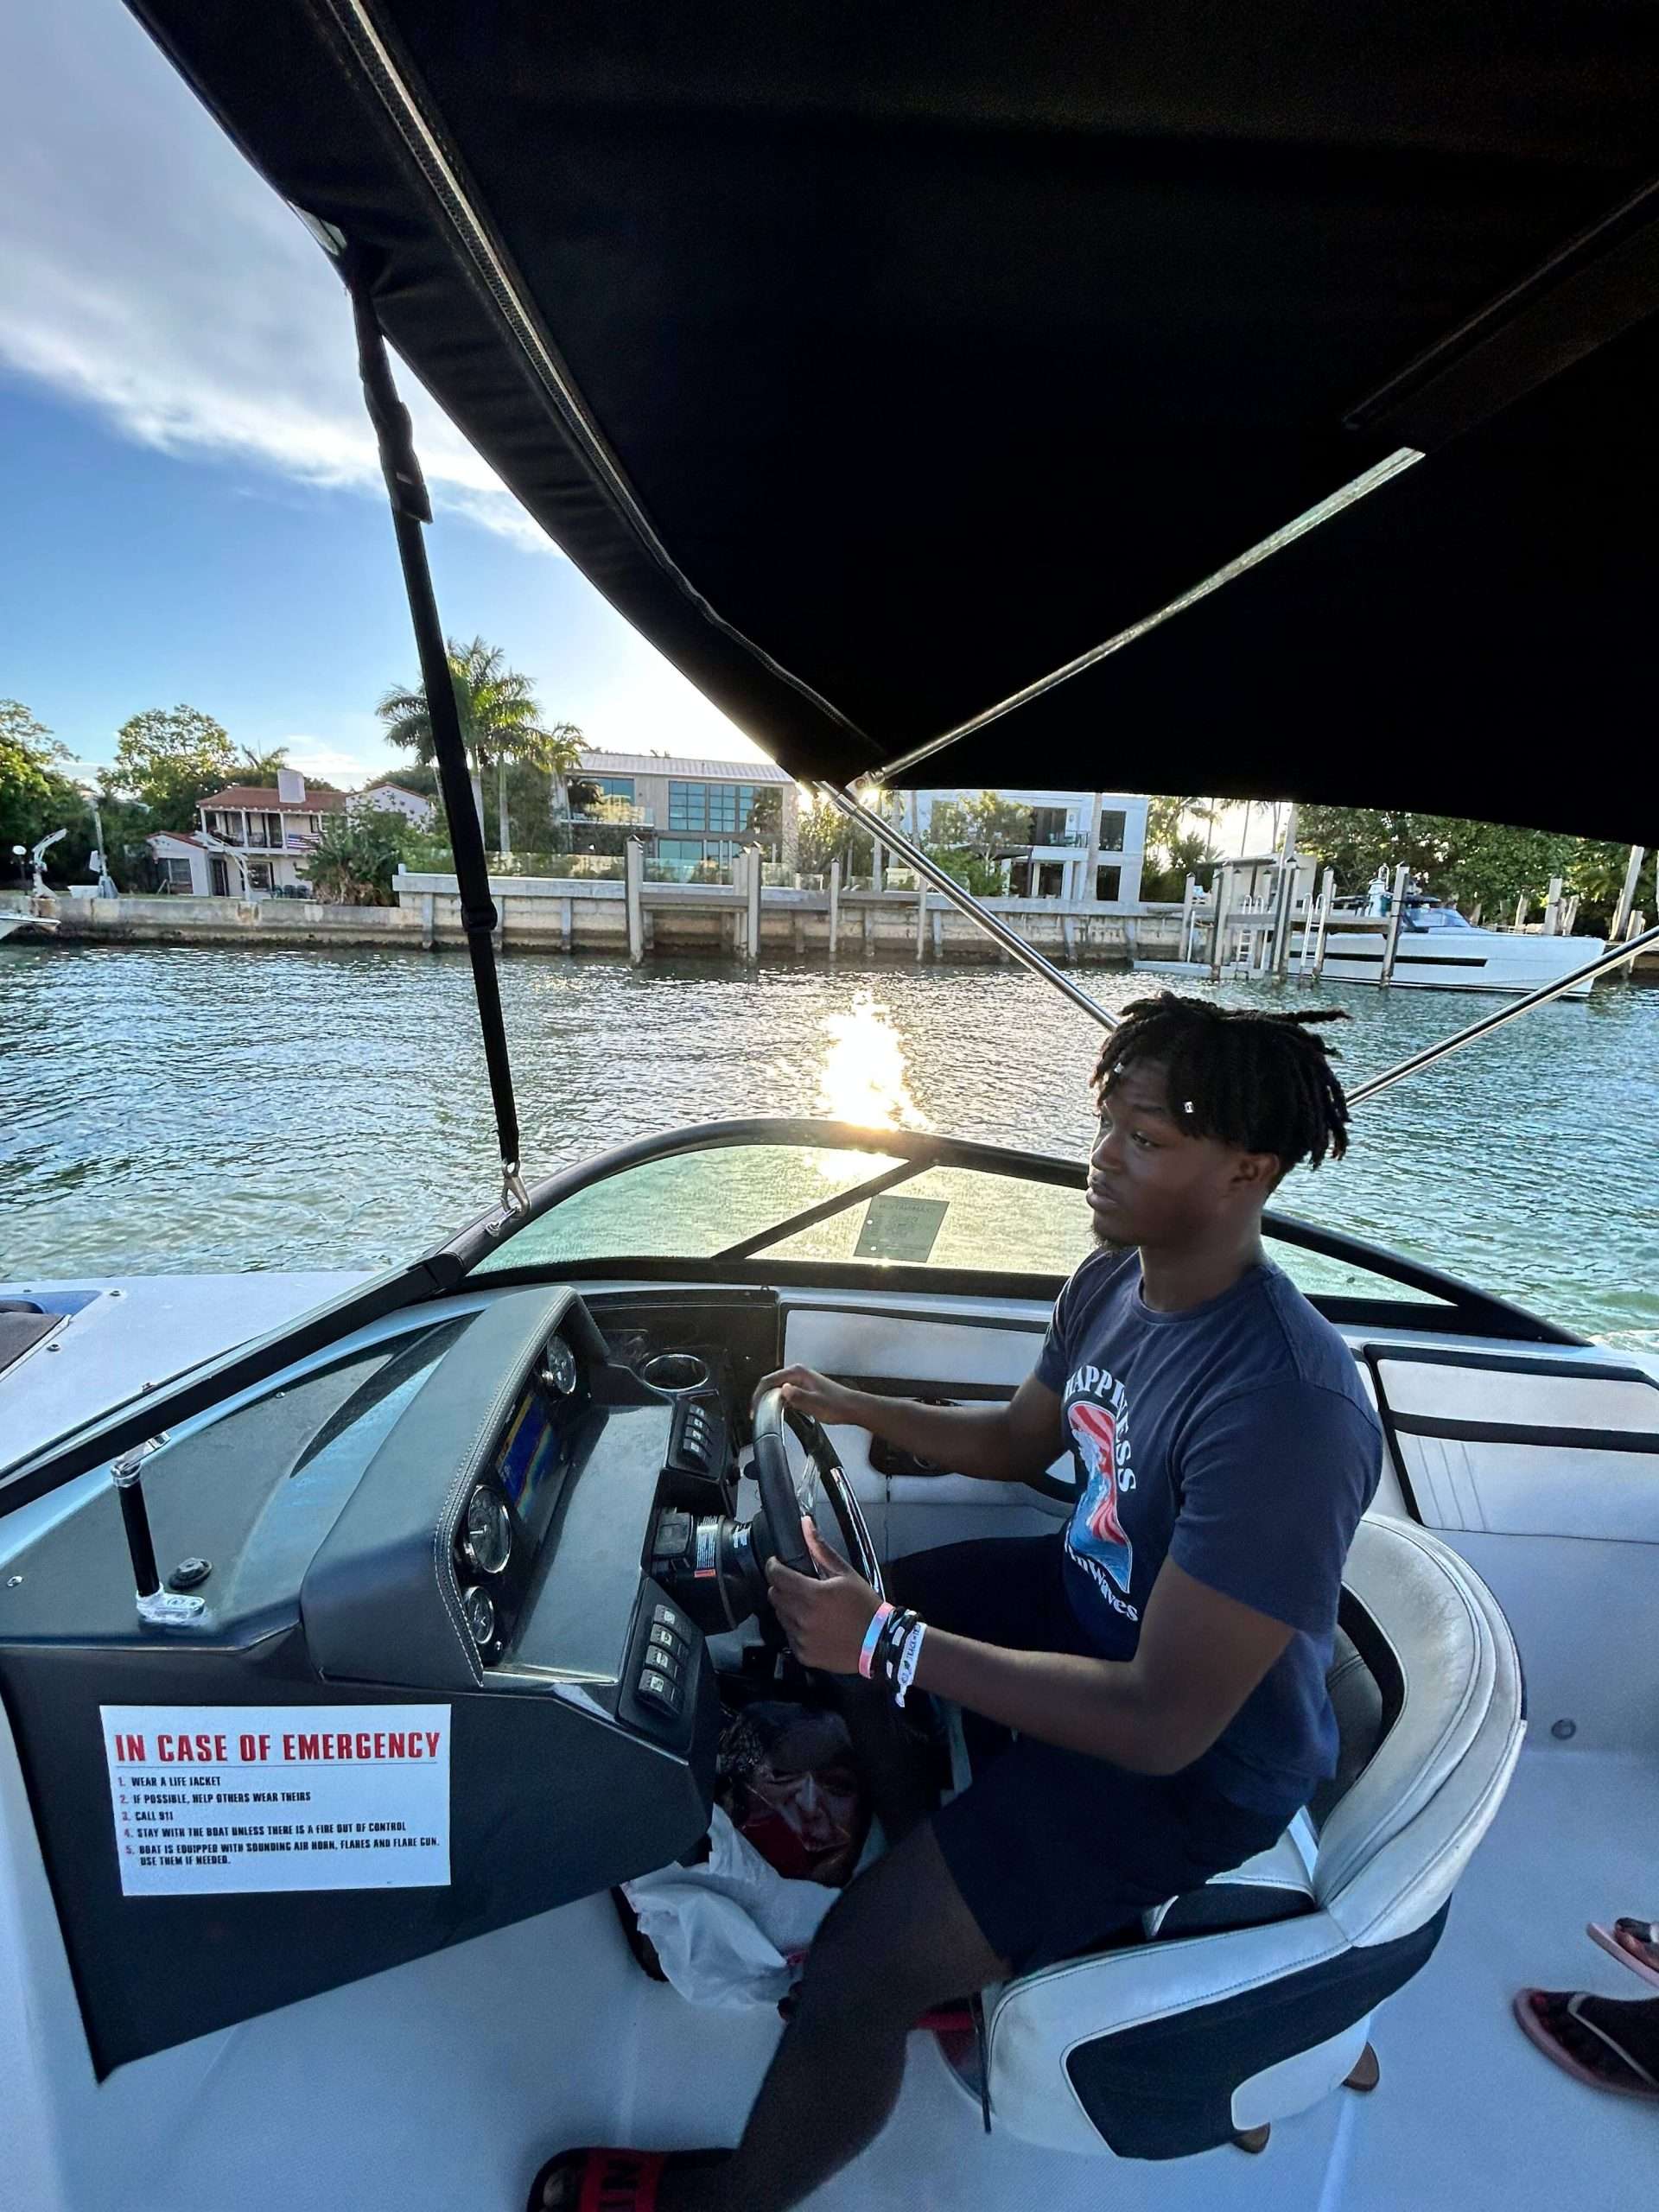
x,y
448,1668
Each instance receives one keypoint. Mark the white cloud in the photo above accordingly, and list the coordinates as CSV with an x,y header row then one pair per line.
x,y
147,272
330,765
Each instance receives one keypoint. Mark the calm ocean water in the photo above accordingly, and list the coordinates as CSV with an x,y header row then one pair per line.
x,y
166,1110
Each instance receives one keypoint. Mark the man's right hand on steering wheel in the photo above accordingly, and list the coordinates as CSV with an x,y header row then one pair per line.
x,y
1014,1442
809,1392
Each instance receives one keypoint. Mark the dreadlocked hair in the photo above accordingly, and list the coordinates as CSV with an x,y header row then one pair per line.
x,y
1263,1082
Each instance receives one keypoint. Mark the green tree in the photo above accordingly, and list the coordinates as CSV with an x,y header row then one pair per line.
x,y
1487,864
986,827
1596,876
171,759
1184,853
36,794
29,758
358,853
500,722
1167,821
826,835
259,768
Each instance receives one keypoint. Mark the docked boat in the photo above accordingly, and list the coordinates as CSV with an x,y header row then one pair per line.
x,y
1436,948
14,919
964,383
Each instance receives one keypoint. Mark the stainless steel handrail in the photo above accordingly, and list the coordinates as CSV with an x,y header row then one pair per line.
x,y
1011,942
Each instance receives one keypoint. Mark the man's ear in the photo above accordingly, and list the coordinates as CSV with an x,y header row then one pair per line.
x,y
1258,1174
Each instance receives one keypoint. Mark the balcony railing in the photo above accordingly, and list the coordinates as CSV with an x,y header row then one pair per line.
x,y
630,817
259,839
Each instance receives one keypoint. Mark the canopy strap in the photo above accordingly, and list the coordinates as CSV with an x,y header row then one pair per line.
x,y
410,509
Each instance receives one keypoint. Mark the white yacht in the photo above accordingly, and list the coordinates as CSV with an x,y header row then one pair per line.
x,y
919,382
1439,949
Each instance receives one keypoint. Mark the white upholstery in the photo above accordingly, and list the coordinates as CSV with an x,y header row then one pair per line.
x,y
1393,1848
1386,1860
1282,1869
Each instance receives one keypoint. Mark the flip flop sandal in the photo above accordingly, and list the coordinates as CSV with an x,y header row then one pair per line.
x,y
1627,1940
1540,2013
609,2181
612,2181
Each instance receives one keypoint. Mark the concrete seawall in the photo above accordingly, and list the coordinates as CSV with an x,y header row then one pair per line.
x,y
579,915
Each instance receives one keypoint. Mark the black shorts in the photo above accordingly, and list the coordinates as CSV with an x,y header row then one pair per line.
x,y
1051,1850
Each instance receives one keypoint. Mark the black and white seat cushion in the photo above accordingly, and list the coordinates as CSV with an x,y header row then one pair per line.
x,y
1254,1999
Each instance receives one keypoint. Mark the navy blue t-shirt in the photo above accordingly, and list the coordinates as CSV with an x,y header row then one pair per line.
x,y
1235,1439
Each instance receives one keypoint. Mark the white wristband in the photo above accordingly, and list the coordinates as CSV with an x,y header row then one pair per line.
x,y
912,1653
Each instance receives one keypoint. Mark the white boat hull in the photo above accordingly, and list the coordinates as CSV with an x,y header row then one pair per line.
x,y
1460,960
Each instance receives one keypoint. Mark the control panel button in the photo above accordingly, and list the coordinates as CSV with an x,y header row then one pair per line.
x,y
673,1533
656,1689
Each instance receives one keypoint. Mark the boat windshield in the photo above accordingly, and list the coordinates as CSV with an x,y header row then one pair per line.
x,y
771,1204
1437,918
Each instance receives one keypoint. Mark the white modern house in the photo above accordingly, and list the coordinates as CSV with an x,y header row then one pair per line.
x,y
1081,845
691,813
252,842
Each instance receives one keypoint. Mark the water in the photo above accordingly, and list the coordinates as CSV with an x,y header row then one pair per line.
x,y
170,1110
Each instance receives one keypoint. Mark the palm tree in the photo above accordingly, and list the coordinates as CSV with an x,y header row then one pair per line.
x,y
261,767
500,722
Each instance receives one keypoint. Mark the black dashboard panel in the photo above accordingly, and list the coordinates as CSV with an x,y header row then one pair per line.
x,y
334,1512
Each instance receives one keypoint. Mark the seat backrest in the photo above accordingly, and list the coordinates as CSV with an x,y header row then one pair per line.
x,y
1364,1697
1444,1716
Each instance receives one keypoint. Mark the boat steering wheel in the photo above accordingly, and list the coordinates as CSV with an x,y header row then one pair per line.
x,y
781,1497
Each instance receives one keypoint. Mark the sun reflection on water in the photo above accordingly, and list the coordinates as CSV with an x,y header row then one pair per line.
x,y
863,1079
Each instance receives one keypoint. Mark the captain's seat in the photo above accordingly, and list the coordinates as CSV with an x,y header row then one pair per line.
x,y
1251,1998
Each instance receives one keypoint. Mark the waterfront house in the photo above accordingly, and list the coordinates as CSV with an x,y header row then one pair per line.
x,y
1074,845
691,814
252,841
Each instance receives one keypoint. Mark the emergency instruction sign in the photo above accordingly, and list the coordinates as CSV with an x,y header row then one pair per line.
x,y
212,1800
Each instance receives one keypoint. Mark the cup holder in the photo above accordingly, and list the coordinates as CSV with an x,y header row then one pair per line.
x,y
677,1374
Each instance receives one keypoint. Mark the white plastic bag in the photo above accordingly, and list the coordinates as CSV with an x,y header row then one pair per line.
x,y
726,1931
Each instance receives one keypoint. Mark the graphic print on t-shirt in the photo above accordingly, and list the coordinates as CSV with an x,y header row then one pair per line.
x,y
1097,1538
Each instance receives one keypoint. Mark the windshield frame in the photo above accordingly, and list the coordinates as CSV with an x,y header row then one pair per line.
x,y
1460,1307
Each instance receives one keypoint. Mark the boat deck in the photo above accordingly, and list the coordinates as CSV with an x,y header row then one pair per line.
x,y
443,2083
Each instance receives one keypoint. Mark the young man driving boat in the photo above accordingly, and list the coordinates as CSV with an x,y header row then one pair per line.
x,y
1162,1663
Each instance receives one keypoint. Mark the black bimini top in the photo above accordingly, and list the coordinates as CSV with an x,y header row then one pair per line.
x,y
874,361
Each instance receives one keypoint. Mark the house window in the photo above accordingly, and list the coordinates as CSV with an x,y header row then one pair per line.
x,y
1048,825
611,786
1111,833
1107,879
715,808
175,873
258,875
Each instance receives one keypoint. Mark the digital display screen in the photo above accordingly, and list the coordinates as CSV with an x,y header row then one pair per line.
x,y
530,1456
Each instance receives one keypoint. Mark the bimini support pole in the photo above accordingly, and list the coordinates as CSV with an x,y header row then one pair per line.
x,y
896,842
410,510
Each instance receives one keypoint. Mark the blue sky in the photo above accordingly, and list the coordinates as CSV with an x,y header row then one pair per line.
x,y
190,508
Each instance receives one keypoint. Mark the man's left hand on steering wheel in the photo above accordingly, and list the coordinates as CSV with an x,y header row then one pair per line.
x,y
825,1619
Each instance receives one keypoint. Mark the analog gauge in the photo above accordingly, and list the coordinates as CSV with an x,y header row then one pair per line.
x,y
561,1367
480,1617
488,1537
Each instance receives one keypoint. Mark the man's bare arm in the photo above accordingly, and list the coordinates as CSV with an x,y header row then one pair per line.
x,y
1200,1654
996,1443
1199,1657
